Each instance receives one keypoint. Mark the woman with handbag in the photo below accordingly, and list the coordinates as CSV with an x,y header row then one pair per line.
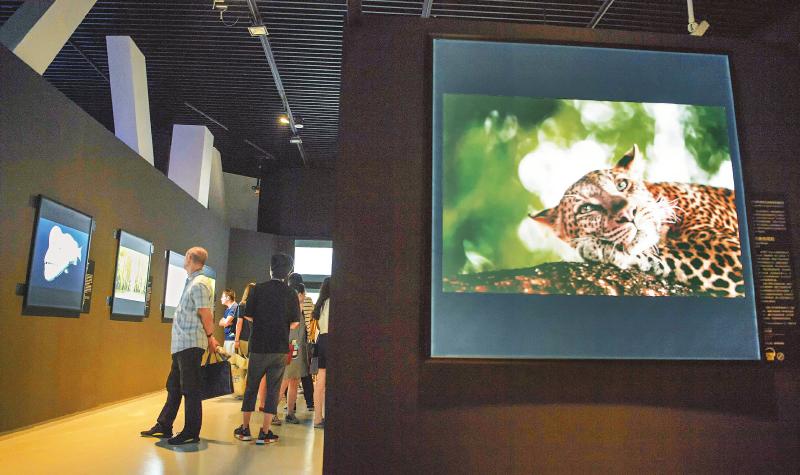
x,y
298,362
320,314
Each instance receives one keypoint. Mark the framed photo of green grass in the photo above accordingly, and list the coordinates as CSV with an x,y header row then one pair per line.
x,y
131,276
582,198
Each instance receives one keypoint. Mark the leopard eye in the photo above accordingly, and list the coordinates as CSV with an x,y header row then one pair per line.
x,y
622,185
585,208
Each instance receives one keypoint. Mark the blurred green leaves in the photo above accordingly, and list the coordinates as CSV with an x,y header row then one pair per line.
x,y
486,137
706,135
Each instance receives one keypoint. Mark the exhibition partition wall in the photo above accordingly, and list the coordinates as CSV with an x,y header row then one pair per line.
x,y
55,366
490,347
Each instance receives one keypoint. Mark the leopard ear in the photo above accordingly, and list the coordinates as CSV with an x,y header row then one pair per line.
x,y
626,161
546,217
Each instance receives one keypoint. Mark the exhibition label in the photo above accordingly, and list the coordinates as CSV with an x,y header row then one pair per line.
x,y
772,256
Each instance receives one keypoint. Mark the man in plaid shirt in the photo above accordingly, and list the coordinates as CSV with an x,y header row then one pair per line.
x,y
192,333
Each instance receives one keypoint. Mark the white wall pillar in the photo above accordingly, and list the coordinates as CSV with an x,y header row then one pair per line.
x,y
190,160
129,98
216,193
38,30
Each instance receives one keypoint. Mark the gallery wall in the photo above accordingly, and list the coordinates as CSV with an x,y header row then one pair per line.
x,y
472,416
297,202
249,257
54,366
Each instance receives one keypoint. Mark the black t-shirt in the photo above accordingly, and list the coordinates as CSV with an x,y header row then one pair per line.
x,y
244,335
273,306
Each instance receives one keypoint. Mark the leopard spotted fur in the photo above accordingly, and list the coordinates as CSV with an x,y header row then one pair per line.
x,y
688,232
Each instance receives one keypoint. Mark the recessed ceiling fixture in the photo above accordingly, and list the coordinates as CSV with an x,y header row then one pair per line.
x,y
296,140
258,30
695,29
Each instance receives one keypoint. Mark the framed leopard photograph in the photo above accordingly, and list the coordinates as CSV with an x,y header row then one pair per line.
x,y
570,182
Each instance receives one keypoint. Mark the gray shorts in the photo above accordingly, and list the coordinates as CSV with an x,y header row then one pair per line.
x,y
271,364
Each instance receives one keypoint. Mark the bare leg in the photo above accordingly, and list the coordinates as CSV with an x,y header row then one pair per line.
x,y
291,398
319,397
262,391
267,422
284,385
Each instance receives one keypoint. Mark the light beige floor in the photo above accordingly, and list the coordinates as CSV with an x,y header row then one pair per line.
x,y
107,441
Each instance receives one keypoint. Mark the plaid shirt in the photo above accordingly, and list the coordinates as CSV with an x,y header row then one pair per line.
x,y
187,328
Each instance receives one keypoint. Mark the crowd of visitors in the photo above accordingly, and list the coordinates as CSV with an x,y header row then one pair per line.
x,y
276,326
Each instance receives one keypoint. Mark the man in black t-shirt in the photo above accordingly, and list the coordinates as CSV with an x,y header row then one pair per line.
x,y
274,310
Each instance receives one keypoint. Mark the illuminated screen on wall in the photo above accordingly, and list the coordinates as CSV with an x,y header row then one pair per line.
x,y
176,280
131,276
313,259
587,203
57,269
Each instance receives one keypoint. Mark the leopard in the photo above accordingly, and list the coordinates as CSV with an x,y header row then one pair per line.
x,y
685,232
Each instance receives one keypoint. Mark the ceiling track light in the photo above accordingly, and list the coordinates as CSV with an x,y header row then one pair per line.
x,y
695,28
258,30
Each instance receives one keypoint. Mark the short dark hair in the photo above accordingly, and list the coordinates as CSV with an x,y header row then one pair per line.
x,y
230,293
281,265
295,279
299,288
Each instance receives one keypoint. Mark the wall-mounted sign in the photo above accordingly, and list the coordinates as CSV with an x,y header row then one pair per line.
x,y
87,287
772,259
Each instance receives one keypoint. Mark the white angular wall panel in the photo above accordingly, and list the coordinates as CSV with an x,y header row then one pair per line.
x,y
190,160
129,97
38,30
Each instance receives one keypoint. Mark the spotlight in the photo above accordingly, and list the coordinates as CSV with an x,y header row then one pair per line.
x,y
258,30
296,140
698,29
283,120
695,29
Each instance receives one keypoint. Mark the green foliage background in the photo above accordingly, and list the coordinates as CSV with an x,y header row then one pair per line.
x,y
486,137
132,264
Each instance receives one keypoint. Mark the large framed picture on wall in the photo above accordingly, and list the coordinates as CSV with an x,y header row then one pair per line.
x,y
588,203
58,260
132,276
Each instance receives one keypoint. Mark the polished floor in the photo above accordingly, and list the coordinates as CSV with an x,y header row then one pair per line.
x,y
107,441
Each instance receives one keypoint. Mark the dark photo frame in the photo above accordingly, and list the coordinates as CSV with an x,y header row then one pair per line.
x,y
467,308
58,261
129,299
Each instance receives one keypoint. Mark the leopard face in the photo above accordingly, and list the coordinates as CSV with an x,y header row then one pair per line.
x,y
609,216
683,230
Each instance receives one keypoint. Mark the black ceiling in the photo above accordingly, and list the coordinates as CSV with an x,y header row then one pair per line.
x,y
203,70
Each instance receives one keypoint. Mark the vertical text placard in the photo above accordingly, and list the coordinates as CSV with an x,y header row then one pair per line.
x,y
772,259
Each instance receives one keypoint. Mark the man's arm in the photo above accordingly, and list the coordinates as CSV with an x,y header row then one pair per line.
x,y
207,318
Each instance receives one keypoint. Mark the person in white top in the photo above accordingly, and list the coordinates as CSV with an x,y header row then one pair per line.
x,y
321,314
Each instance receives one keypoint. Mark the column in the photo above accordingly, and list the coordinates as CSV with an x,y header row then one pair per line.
x,y
190,160
38,30
129,99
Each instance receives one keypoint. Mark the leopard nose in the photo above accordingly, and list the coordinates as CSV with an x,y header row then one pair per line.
x,y
627,215
618,204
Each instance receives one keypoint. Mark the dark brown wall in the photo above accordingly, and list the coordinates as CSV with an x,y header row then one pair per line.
x,y
416,415
297,202
249,256
53,366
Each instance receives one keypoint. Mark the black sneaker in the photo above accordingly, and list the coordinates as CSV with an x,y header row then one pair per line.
x,y
242,433
157,431
292,419
268,438
182,438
